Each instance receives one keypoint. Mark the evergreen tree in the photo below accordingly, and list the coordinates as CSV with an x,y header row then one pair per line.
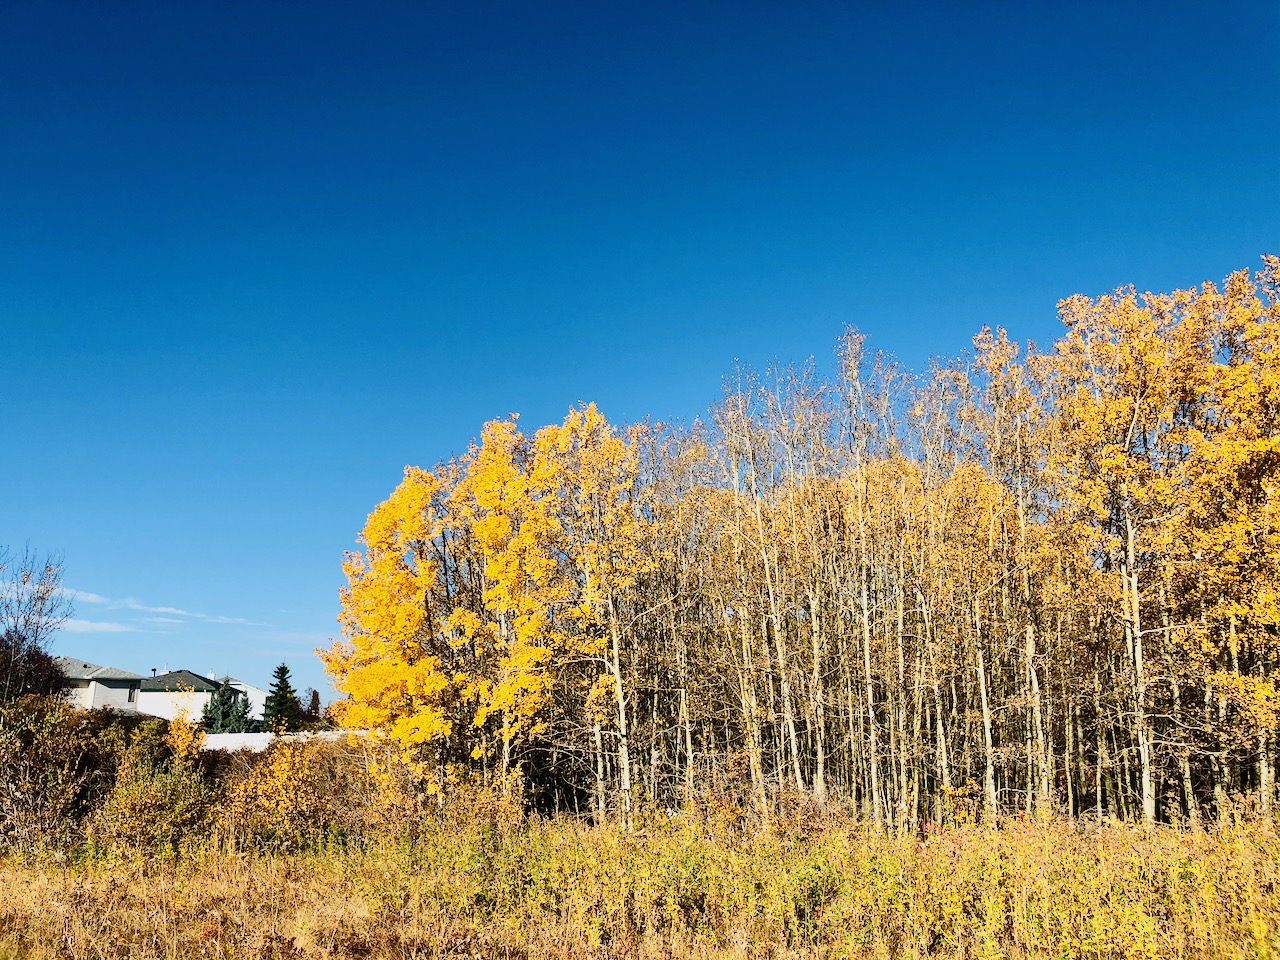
x,y
226,712
283,711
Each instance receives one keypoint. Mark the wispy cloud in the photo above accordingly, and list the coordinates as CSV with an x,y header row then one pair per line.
x,y
132,603
95,626
129,603
162,620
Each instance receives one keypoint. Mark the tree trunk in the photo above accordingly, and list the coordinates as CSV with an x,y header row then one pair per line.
x,y
872,757
1140,719
1190,805
1037,726
989,772
624,745
599,812
817,705
751,715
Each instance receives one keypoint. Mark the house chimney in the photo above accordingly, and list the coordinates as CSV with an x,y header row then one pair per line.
x,y
153,671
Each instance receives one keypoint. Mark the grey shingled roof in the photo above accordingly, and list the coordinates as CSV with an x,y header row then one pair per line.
x,y
75,669
179,680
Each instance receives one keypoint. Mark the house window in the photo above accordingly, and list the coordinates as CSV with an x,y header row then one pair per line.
x,y
133,692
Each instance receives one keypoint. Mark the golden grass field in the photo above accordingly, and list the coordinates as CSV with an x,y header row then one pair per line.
x,y
561,889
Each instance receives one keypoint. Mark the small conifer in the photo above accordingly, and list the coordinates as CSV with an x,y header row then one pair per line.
x,y
227,712
283,710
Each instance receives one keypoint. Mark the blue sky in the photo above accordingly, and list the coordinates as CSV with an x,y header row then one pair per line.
x,y
256,257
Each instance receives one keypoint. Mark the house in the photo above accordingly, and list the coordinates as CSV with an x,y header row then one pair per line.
x,y
179,690
91,685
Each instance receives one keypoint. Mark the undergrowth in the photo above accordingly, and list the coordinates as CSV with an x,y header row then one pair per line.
x,y
123,840
563,889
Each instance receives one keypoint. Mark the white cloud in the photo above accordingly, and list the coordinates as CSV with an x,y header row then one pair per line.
x,y
162,620
131,603
95,626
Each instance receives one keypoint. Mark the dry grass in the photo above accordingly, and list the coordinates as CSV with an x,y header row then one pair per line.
x,y
563,890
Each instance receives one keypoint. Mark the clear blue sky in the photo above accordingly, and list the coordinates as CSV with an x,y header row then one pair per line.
x,y
256,257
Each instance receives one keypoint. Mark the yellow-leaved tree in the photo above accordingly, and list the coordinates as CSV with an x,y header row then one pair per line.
x,y
512,528
1227,552
1119,376
587,474
485,584
404,664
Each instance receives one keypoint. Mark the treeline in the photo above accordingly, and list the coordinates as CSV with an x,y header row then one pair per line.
x,y
1027,581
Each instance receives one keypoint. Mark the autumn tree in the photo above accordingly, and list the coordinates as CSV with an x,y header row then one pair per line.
x,y
33,606
404,664
587,474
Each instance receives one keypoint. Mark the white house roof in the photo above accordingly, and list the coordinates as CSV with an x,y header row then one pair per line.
x,y
241,684
74,669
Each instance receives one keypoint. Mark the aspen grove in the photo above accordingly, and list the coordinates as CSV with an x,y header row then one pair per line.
x,y
1036,582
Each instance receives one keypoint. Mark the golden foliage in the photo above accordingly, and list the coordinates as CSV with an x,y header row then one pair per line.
x,y
484,584
184,738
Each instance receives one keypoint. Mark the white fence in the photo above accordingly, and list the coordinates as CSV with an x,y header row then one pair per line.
x,y
257,742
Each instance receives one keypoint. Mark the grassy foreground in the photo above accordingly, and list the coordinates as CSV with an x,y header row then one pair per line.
x,y
560,889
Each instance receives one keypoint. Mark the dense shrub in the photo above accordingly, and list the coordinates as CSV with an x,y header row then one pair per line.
x,y
160,800
154,811
56,765
305,792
